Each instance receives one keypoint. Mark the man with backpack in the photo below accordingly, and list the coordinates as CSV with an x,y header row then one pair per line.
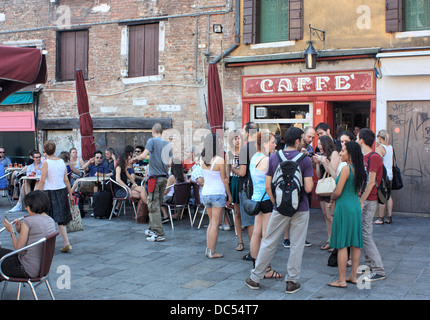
x,y
373,164
291,206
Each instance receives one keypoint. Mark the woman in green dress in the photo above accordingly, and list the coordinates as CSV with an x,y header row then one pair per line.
x,y
346,227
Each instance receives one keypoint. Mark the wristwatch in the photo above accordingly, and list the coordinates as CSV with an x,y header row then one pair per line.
x,y
13,232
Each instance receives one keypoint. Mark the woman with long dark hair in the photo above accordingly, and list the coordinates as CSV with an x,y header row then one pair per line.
x,y
328,162
214,190
177,176
125,174
347,227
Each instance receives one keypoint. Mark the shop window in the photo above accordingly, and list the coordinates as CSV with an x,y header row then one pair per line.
x,y
277,118
272,20
417,15
143,50
72,54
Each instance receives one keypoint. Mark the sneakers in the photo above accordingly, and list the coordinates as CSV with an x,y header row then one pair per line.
x,y
151,236
292,287
252,284
286,243
374,277
16,208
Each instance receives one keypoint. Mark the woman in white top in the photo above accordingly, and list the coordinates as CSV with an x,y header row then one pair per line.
x,y
386,152
55,183
214,190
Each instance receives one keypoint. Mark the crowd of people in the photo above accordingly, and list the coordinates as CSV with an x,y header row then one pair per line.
x,y
221,175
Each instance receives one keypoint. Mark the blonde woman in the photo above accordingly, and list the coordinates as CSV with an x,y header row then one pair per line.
x,y
232,160
385,150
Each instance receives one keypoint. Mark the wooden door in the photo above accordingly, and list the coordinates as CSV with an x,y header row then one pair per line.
x,y
409,129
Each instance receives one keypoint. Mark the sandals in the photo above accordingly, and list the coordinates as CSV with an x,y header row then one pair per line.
x,y
337,284
378,221
240,246
326,246
350,280
274,275
388,220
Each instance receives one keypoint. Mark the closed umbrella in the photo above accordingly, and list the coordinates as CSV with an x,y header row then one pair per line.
x,y
215,106
20,67
85,122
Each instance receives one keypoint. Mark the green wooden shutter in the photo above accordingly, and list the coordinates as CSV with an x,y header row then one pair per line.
x,y
417,15
274,24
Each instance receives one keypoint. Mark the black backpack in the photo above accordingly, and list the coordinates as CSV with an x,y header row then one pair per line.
x,y
384,185
287,184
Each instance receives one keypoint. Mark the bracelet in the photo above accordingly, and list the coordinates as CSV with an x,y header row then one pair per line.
x,y
13,232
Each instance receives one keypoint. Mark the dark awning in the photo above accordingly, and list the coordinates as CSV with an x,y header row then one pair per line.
x,y
20,67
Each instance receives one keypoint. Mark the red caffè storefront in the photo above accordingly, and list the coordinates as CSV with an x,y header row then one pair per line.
x,y
279,101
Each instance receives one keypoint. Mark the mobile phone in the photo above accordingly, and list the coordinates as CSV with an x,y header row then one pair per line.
x,y
311,154
7,219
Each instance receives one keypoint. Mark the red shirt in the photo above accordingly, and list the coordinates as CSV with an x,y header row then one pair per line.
x,y
187,165
376,164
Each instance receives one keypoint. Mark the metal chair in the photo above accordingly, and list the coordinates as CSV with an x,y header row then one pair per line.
x,y
122,200
181,198
48,247
8,189
198,202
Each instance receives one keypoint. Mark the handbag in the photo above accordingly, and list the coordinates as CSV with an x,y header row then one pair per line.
x,y
76,223
251,207
397,182
325,186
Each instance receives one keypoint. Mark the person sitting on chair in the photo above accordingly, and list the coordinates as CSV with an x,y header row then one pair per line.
x,y
32,228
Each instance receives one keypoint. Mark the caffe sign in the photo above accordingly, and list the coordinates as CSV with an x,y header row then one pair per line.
x,y
360,82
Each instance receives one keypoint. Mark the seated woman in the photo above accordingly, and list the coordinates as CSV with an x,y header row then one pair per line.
x,y
177,176
122,176
32,228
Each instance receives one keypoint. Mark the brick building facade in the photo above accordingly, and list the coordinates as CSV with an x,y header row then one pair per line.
x,y
106,39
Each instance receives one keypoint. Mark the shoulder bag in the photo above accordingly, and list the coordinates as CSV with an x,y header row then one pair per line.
x,y
397,182
325,186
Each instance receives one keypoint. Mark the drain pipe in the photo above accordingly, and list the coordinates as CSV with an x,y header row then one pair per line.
x,y
236,36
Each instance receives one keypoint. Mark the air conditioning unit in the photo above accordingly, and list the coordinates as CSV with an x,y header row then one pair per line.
x,y
261,112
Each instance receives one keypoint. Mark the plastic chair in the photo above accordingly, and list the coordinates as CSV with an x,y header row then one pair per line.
x,y
8,189
48,248
181,198
122,200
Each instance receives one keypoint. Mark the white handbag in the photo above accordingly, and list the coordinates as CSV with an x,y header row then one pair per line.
x,y
325,186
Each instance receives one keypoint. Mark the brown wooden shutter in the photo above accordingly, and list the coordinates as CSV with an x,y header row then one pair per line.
x,y
136,50
67,55
143,50
81,58
73,54
151,49
249,21
394,16
296,20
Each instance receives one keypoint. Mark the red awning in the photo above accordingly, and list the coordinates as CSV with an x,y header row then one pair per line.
x,y
20,67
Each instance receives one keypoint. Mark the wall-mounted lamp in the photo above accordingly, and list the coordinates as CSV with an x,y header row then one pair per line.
x,y
310,53
217,28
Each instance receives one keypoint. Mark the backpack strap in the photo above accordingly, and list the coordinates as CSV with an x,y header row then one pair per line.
x,y
297,158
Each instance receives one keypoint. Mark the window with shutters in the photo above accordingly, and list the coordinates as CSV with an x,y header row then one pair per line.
x,y
72,54
272,20
143,50
417,15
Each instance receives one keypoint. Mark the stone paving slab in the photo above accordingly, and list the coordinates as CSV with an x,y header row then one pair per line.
x,y
111,260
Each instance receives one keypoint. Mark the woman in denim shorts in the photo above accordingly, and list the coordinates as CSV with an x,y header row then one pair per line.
x,y
214,190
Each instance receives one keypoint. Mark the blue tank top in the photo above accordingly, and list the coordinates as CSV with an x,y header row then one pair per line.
x,y
258,178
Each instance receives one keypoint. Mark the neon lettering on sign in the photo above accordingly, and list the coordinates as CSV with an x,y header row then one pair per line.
x,y
362,82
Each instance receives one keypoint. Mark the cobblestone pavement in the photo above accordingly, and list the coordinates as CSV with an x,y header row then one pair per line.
x,y
111,260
